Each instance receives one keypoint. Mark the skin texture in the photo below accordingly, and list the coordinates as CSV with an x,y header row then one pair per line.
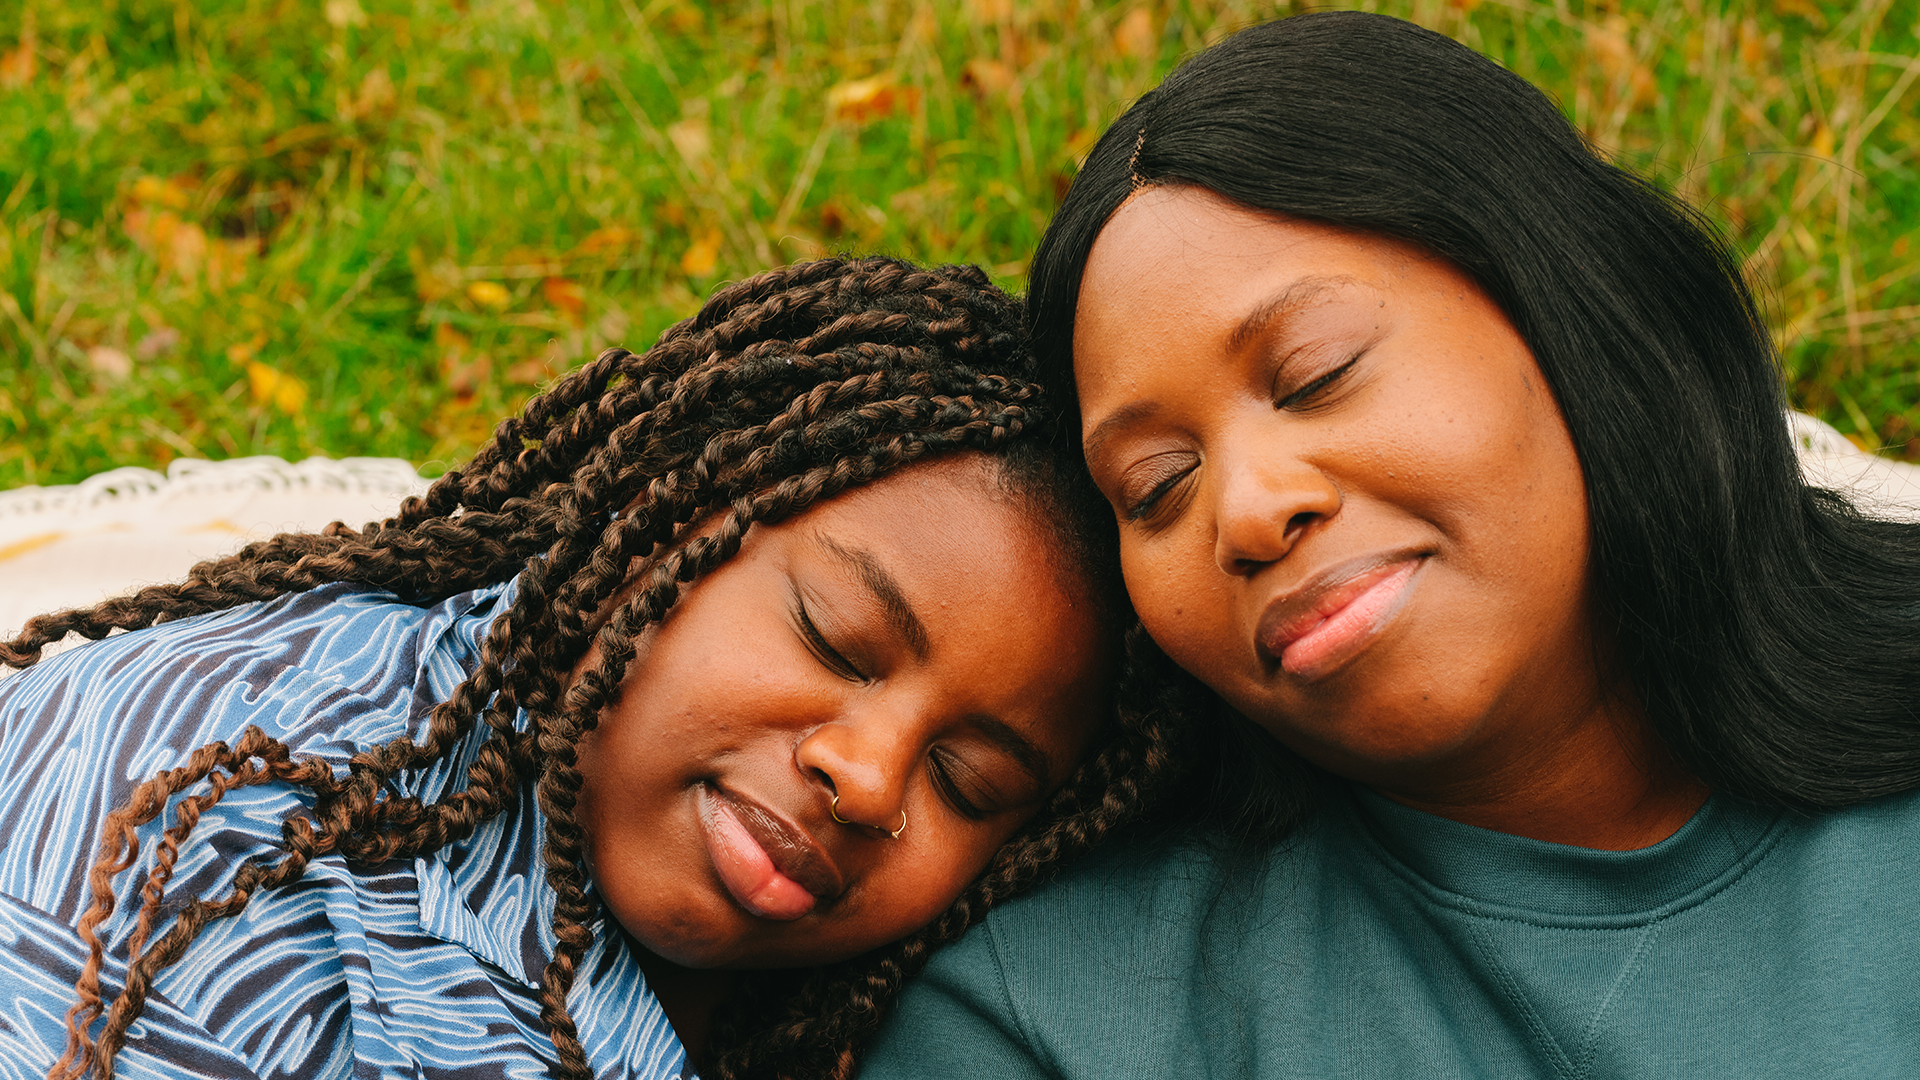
x,y
732,694
1296,422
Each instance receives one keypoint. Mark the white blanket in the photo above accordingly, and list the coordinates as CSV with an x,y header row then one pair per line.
x,y
78,544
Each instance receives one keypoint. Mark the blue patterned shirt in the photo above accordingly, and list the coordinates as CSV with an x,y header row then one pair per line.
x,y
427,967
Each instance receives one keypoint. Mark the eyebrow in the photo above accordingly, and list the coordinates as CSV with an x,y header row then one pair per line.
x,y
1131,413
1281,306
1031,759
886,589
1284,305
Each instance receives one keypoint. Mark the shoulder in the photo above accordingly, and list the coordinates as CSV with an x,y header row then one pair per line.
x,y
322,671
1106,967
327,673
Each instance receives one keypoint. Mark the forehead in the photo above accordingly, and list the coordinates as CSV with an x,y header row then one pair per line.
x,y
951,512
952,529
1185,256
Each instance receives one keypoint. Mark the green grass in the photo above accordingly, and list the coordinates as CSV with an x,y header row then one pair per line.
x,y
345,227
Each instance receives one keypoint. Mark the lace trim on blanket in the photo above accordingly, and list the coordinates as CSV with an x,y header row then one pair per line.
x,y
137,490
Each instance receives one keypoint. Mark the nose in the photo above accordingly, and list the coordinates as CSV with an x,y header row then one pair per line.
x,y
1264,504
863,763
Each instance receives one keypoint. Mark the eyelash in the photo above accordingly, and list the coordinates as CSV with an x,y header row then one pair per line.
x,y
1152,498
950,790
817,644
1305,394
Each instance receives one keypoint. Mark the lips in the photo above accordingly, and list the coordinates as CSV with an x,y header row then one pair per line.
x,y
1335,615
770,866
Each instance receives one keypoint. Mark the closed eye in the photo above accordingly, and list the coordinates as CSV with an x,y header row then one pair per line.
x,y
818,645
1152,498
1147,484
942,768
1305,396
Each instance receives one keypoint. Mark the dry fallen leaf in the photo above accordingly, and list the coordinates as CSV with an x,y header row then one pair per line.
x,y
607,238
702,254
110,363
1753,47
376,95
269,384
432,280
985,75
1608,44
691,138
871,98
564,295
18,65
1822,145
1134,36
157,342
990,11
179,246
1806,9
446,337
344,13
489,294
465,377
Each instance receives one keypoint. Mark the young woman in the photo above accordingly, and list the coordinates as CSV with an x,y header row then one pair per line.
x,y
721,669
1583,735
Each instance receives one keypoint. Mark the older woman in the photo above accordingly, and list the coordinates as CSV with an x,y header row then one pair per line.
x,y
1583,734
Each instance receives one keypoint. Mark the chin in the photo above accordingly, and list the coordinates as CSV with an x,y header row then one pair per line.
x,y
689,939
1377,753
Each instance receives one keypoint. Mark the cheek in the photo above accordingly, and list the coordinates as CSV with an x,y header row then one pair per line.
x,y
1183,601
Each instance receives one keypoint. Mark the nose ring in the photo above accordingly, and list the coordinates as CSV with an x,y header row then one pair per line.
x,y
833,808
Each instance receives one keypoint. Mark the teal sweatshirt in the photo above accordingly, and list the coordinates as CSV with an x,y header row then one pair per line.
x,y
1384,942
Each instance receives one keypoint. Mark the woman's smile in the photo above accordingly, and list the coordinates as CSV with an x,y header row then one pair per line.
x,y
1315,629
770,866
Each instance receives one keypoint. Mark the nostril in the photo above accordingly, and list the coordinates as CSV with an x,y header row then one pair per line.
x,y
1298,522
821,777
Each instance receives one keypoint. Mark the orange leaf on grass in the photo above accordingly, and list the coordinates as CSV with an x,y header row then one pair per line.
x,y
1822,145
1611,49
110,363
990,11
179,246
466,377
607,238
871,98
489,294
1134,36
270,384
702,255
446,337
985,75
18,65
564,295
155,191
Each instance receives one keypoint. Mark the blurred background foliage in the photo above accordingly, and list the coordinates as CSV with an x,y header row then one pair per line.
x,y
342,227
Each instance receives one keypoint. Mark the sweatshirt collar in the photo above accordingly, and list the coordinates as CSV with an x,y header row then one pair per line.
x,y
1526,877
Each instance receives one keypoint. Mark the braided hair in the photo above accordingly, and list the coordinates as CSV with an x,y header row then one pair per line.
x,y
786,389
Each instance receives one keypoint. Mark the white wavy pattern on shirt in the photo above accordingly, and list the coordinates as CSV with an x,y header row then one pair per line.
x,y
424,968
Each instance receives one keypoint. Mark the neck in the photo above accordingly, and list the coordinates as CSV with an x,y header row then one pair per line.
x,y
689,997
1607,783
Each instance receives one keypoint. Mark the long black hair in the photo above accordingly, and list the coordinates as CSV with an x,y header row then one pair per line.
x,y
1771,632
